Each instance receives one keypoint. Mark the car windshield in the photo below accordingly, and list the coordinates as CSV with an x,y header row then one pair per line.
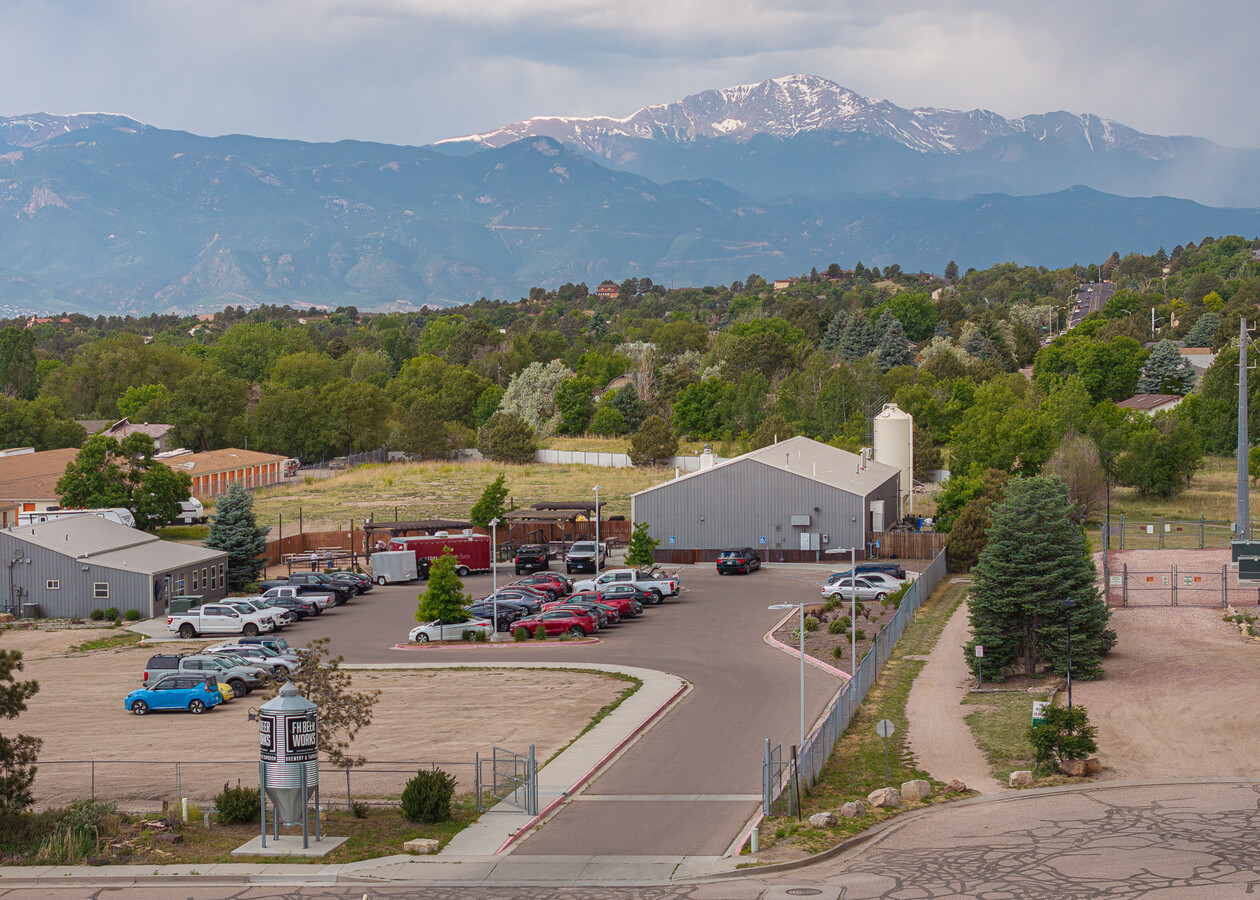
x,y
584,548
731,554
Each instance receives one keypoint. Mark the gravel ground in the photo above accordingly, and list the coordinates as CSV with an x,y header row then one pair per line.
x,y
1198,578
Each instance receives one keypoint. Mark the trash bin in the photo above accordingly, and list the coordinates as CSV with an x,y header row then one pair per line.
x,y
30,610
179,605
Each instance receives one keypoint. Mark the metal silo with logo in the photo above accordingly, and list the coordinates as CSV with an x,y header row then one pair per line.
x,y
288,743
894,446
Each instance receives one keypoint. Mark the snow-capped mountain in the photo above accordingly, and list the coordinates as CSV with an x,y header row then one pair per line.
x,y
39,128
797,104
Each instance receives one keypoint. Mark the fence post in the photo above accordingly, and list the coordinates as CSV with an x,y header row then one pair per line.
x,y
349,801
1160,526
1224,586
93,779
178,793
1121,529
1124,588
477,779
1200,531
1174,584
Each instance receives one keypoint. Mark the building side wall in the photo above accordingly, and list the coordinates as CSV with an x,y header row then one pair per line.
x,y
738,504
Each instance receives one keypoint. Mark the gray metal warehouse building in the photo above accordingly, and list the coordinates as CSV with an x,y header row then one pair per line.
x,y
792,501
69,567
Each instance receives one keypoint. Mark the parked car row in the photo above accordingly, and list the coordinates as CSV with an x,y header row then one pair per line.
x,y
866,581
196,682
582,556
281,603
556,604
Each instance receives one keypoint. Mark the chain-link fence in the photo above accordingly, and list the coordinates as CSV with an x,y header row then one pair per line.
x,y
1169,534
776,776
1175,586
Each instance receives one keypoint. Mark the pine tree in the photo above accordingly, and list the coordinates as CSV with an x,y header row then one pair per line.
x,y
858,339
835,331
1166,372
640,546
894,348
17,754
443,599
490,504
1203,332
1036,558
234,530
883,325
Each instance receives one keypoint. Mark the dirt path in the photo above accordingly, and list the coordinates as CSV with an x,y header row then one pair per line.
x,y
1179,698
939,737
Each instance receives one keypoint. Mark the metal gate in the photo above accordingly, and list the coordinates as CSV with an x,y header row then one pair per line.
x,y
778,795
1178,587
512,779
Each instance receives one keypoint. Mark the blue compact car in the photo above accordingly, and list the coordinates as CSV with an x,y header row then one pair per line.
x,y
194,693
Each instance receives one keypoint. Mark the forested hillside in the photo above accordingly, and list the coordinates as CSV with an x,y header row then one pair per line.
x,y
735,365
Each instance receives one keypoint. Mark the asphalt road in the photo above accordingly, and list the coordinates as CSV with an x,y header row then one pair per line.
x,y
1092,298
710,744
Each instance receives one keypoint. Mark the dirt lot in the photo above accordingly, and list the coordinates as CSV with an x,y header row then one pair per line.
x,y
444,716
1179,698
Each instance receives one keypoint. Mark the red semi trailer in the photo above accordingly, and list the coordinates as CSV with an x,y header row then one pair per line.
x,y
472,551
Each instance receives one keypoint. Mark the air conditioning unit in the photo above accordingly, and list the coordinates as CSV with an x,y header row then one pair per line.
x,y
800,521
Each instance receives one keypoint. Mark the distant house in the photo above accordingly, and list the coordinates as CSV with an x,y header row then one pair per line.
x,y
609,290
782,284
124,427
28,479
1200,357
1150,403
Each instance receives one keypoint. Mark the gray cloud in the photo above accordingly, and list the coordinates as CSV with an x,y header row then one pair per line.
x,y
414,71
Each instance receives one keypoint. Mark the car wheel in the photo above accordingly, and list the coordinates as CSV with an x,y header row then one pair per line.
x,y
881,596
551,595
657,597
238,687
251,630
186,631
462,571
196,707
380,579
422,638
577,631
139,707
518,570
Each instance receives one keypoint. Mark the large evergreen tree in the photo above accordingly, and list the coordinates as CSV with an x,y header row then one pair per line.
x,y
234,530
1166,371
1203,332
858,339
490,504
17,754
894,347
1037,557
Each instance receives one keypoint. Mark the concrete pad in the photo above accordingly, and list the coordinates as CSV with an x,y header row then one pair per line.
x,y
289,845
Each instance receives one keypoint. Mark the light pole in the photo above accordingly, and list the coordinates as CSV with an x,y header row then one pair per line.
x,y
494,572
597,547
1068,605
853,611
801,634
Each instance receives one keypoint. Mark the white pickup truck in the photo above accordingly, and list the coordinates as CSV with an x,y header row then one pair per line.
x,y
219,618
321,600
659,582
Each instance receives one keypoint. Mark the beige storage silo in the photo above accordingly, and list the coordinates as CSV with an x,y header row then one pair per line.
x,y
894,446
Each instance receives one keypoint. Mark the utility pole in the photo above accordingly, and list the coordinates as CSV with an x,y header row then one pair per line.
x,y
1242,525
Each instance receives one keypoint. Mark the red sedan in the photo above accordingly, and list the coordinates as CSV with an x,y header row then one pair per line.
x,y
557,621
552,584
626,606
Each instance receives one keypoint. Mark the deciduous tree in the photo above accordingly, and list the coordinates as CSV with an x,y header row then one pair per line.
x,y
490,505
640,546
343,711
443,599
653,443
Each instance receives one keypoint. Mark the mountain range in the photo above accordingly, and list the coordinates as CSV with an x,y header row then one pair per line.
x,y
101,213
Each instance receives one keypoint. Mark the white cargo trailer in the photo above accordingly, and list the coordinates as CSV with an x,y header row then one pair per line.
x,y
394,565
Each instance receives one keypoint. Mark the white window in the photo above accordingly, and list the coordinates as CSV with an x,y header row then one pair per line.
x,y
194,579
52,585
100,590
204,580
221,578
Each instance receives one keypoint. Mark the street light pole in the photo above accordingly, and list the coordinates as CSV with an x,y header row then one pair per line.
x,y
597,547
801,641
494,572
1068,605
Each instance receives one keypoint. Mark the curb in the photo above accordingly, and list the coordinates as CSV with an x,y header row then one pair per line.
x,y
463,645
630,738
795,653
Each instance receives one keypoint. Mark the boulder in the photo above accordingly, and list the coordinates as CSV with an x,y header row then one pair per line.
x,y
853,810
1093,766
955,787
823,819
884,798
1021,779
1073,767
422,845
916,790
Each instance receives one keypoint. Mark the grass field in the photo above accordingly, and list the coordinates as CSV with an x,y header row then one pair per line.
x,y
445,490
1000,726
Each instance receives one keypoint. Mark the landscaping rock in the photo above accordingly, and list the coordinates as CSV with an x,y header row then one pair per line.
x,y
1093,766
1021,779
955,787
823,819
1073,767
884,798
916,790
422,845
169,837
853,810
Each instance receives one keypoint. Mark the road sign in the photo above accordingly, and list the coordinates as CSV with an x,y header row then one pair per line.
x,y
671,539
979,651
1038,712
885,728
763,539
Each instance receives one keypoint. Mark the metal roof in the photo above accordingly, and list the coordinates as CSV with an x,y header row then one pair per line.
x,y
105,543
809,459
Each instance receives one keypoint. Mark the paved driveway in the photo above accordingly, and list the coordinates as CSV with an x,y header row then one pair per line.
x,y
691,783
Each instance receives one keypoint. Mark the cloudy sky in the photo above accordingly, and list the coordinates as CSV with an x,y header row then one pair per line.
x,y
415,71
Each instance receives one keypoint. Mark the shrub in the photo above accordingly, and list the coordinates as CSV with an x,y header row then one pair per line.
x,y
894,599
861,635
520,634
97,615
836,627
466,635
837,652
359,810
1062,734
112,614
252,588
87,814
540,633
480,637
238,804
832,603
811,623
427,797
132,615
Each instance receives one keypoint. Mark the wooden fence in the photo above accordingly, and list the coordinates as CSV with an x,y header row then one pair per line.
x,y
892,545
309,541
906,544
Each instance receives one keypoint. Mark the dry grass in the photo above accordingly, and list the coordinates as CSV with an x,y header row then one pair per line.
x,y
1211,494
443,490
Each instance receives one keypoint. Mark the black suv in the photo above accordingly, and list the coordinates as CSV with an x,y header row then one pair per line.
x,y
317,582
741,559
532,557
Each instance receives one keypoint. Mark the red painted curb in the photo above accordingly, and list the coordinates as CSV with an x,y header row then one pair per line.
x,y
639,729
814,661
464,645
